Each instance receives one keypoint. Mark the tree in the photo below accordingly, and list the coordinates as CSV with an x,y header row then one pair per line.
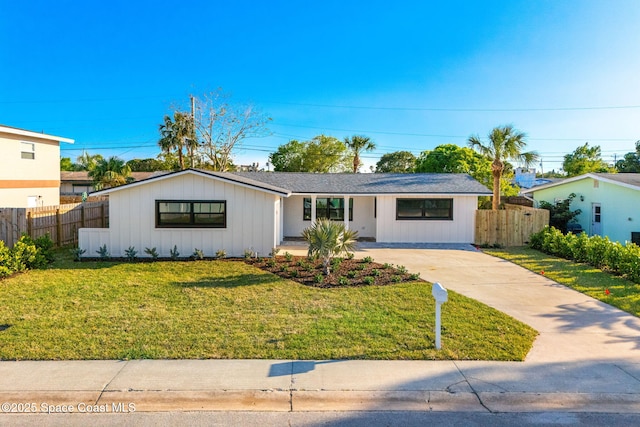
x,y
222,125
148,165
560,213
66,164
583,160
87,161
322,154
327,239
396,162
357,144
177,134
505,143
631,161
110,173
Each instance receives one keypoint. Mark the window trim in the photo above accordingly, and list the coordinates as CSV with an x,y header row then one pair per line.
x,y
328,209
30,154
424,217
192,214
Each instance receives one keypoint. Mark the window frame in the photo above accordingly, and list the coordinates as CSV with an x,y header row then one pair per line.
x,y
424,209
327,209
27,154
192,214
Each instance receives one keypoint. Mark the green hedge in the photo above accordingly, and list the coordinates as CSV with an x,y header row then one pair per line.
x,y
26,254
597,251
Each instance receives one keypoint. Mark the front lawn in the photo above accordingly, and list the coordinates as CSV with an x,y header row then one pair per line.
x,y
584,278
229,309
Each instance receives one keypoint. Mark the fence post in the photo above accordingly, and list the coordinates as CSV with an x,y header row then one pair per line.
x,y
58,228
82,216
29,224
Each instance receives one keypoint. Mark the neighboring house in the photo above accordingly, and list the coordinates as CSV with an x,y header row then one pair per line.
x,y
609,203
236,211
74,183
29,168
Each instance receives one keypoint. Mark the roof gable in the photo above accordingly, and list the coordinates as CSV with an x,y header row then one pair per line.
x,y
627,180
221,176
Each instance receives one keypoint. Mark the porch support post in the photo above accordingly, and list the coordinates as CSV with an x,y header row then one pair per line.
x,y
313,209
345,211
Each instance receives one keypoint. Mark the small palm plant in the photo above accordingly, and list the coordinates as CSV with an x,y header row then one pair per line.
x,y
328,239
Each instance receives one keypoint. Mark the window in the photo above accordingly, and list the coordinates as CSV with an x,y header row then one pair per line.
x,y
332,208
424,209
191,214
27,150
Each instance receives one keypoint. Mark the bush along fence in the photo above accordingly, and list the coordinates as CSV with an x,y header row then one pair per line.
x,y
26,254
597,251
61,222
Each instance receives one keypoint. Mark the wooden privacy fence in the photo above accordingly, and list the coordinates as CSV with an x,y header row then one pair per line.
x,y
61,222
509,227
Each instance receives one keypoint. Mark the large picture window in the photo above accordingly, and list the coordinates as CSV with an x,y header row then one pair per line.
x,y
332,208
424,209
191,213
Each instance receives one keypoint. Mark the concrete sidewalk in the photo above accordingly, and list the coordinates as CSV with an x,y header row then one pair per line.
x,y
586,359
277,385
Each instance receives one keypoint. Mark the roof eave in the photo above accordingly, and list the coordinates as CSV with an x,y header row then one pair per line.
x,y
31,134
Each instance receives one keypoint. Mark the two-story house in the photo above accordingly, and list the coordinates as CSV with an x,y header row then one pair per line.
x,y
29,168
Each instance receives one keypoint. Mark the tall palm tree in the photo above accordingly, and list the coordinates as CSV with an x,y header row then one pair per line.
x,y
357,144
177,134
505,143
110,173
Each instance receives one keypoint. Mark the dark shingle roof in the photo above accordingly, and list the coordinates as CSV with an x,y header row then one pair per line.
x,y
369,183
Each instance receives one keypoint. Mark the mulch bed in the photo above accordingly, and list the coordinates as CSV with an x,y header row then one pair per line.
x,y
344,272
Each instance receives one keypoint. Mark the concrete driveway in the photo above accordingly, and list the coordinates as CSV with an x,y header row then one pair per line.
x,y
572,326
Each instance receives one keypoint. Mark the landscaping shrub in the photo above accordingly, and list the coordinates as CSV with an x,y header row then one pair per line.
x,y
596,250
24,255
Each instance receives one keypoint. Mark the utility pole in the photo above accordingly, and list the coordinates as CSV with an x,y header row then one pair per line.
x,y
193,122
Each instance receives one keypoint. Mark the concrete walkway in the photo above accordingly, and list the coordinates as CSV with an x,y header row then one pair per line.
x,y
586,359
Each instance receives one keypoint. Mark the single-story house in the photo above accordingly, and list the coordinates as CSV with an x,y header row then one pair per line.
x,y
609,203
258,210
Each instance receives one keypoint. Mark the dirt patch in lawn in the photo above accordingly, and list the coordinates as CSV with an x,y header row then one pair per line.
x,y
344,272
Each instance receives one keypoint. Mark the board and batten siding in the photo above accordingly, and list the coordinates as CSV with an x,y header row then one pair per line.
x,y
363,215
459,230
251,219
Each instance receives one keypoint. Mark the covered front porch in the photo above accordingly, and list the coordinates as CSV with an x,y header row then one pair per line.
x,y
357,212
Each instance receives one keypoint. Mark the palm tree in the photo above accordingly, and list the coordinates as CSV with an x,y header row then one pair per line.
x,y
110,173
357,144
177,134
327,239
87,161
505,143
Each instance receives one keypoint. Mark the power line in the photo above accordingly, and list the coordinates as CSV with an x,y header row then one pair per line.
x,y
482,110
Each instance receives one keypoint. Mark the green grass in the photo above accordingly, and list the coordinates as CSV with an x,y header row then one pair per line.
x,y
228,309
582,277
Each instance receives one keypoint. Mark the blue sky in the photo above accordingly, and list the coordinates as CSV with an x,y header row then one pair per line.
x,y
409,74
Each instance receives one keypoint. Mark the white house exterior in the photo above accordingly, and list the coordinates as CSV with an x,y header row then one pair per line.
x,y
261,209
609,203
29,168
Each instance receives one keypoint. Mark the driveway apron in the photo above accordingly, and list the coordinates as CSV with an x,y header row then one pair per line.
x,y
572,326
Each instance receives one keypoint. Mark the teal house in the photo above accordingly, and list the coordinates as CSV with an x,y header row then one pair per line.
x,y
609,203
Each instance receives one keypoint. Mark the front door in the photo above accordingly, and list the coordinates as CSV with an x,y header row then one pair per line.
x,y
596,219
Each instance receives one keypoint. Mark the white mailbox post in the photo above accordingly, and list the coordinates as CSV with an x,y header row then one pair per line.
x,y
440,294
